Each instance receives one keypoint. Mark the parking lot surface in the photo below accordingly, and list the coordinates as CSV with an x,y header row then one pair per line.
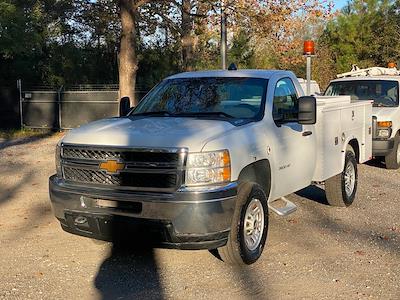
x,y
318,252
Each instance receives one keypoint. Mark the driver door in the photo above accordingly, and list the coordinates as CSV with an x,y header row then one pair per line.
x,y
295,153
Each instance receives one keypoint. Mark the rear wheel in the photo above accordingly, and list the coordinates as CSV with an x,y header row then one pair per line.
x,y
341,189
249,226
392,160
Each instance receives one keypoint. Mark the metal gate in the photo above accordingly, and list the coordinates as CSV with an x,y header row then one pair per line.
x,y
50,108
81,107
40,109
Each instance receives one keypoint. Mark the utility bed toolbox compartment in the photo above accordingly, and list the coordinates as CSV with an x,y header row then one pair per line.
x,y
339,120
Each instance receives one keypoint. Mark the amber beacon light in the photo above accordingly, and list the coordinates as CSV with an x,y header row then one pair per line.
x,y
308,51
309,48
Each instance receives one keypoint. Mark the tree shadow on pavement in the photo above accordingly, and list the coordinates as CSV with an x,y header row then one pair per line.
x,y
25,140
372,234
248,281
7,193
129,273
251,282
38,215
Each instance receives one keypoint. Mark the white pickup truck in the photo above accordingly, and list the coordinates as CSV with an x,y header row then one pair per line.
x,y
202,159
314,86
382,86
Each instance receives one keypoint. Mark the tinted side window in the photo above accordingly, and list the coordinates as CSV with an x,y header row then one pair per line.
x,y
285,100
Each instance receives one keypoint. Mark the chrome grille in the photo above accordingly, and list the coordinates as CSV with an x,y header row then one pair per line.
x,y
145,169
123,155
89,154
90,176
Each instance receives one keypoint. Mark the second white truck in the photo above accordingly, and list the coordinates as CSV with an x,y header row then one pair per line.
x,y
200,162
380,85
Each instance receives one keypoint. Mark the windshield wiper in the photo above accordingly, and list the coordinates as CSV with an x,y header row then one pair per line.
x,y
205,113
164,113
152,113
381,105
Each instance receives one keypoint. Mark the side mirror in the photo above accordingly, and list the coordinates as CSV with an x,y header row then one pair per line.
x,y
307,110
124,106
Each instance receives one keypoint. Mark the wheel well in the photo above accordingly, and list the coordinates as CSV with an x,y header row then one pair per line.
x,y
354,144
258,172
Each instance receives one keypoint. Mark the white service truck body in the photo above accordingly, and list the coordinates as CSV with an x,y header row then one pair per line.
x,y
345,121
206,169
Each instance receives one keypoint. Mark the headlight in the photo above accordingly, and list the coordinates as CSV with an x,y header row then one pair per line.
x,y
208,168
384,129
384,133
58,161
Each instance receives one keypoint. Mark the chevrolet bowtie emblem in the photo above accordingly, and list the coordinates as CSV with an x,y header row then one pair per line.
x,y
112,166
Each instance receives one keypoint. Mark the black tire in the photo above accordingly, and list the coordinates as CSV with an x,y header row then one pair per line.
x,y
335,187
392,160
236,251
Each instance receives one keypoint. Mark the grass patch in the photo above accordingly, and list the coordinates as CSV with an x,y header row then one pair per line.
x,y
10,134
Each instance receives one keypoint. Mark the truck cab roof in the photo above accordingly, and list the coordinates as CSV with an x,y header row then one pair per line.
x,y
263,74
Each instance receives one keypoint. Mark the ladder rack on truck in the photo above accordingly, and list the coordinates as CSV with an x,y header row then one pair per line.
x,y
373,71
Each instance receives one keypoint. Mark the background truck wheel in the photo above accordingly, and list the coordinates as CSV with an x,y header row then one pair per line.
x,y
341,189
393,159
249,226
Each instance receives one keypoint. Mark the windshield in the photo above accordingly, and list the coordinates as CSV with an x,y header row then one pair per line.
x,y
383,92
225,98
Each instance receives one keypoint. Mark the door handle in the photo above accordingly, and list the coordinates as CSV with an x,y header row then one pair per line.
x,y
306,133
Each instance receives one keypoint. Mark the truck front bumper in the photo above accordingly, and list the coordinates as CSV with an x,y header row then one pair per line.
x,y
183,220
382,147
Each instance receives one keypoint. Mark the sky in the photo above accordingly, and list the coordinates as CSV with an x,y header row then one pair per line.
x,y
340,3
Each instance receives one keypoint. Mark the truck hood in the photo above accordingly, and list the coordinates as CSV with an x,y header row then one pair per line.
x,y
384,113
154,132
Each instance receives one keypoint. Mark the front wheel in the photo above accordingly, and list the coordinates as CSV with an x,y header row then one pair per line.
x,y
392,160
341,189
249,226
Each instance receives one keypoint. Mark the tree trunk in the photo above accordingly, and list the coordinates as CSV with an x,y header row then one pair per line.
x,y
127,56
187,38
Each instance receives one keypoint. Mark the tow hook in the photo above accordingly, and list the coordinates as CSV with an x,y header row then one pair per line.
x,y
80,220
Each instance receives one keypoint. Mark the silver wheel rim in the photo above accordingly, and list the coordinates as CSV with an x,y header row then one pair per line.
x,y
349,179
253,224
398,154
